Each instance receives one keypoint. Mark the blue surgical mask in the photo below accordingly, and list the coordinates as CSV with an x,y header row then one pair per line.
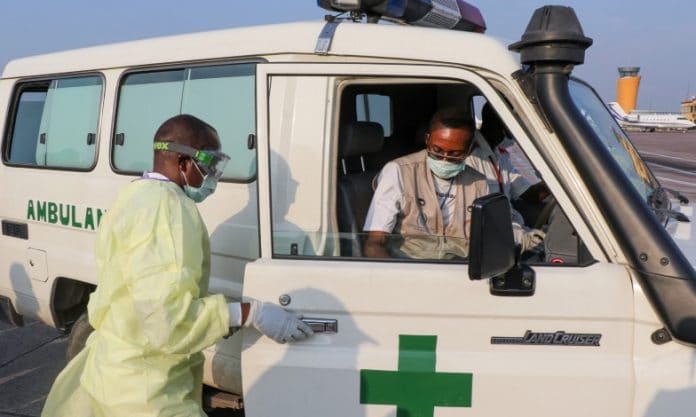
x,y
198,194
445,169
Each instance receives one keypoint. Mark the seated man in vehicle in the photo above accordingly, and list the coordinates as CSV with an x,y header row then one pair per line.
x,y
423,198
489,156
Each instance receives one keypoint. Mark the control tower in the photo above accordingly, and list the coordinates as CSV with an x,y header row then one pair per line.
x,y
627,88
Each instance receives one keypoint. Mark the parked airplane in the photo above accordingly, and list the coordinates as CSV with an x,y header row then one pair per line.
x,y
649,121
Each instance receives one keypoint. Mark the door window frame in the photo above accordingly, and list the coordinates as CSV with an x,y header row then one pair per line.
x,y
376,71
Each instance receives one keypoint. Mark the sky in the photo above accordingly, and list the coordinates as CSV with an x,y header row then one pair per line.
x,y
658,36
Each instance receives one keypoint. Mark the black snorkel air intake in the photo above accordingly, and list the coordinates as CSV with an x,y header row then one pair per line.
x,y
549,49
553,35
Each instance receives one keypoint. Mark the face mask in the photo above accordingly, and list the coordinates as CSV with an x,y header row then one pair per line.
x,y
506,142
444,169
199,194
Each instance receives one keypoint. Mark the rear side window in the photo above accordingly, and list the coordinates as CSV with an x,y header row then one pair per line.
x,y
221,95
375,108
54,123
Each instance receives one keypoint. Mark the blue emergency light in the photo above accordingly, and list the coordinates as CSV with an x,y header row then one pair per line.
x,y
448,14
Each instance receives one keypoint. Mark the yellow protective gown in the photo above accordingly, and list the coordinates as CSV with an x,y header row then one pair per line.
x,y
150,312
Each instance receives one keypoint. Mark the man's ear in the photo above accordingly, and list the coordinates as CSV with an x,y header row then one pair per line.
x,y
182,162
427,138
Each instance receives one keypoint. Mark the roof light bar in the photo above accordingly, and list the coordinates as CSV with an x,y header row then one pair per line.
x,y
447,14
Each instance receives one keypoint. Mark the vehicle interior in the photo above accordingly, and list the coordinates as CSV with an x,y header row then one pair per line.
x,y
380,122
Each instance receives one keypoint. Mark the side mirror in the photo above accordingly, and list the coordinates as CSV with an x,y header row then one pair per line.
x,y
491,243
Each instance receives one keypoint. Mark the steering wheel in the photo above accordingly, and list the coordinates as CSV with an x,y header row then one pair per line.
x,y
543,217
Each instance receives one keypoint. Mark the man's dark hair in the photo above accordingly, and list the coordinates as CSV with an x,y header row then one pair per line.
x,y
452,118
186,130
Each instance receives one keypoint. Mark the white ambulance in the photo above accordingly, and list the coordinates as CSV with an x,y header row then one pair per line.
x,y
601,323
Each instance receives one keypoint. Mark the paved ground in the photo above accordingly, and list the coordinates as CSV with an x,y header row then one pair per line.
x,y
32,356
672,158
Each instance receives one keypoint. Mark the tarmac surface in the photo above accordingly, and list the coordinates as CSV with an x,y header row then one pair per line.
x,y
30,359
32,356
671,157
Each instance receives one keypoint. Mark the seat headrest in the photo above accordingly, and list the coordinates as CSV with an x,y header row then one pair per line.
x,y
359,138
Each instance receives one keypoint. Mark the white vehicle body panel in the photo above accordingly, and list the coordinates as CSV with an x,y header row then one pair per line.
x,y
665,374
375,303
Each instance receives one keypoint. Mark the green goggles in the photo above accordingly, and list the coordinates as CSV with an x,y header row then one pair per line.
x,y
212,163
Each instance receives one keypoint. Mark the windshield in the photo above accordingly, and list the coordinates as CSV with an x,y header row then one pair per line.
x,y
613,138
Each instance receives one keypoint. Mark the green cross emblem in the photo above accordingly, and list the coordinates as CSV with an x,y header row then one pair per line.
x,y
415,388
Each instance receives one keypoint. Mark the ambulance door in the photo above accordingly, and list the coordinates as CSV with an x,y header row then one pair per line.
x,y
405,337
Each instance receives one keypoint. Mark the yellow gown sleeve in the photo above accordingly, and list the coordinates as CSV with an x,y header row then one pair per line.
x,y
162,258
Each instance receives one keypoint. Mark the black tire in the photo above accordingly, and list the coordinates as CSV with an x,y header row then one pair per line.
x,y
79,333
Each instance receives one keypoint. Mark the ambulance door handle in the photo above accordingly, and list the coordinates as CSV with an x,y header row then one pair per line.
x,y
321,325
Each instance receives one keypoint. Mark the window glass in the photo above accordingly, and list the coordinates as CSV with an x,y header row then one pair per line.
x,y
145,101
478,103
56,125
225,97
390,204
222,96
613,138
26,127
375,108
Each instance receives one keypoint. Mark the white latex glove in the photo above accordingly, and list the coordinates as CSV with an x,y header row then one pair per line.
x,y
531,239
277,323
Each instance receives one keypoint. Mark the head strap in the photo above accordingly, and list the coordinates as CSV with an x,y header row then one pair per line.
x,y
212,161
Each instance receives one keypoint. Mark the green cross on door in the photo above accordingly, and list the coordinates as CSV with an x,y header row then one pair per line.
x,y
416,389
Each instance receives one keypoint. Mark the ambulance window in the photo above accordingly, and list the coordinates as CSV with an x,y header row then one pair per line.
x,y
478,102
55,123
315,217
375,108
26,127
221,95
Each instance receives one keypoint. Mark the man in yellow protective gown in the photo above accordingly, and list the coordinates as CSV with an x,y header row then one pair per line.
x,y
151,311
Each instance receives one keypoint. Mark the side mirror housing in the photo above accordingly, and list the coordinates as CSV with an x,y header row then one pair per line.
x,y
491,244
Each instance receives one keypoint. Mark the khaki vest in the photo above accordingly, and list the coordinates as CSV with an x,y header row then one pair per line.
x,y
420,227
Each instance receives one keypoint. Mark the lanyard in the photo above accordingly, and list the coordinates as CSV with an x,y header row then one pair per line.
x,y
498,176
447,194
442,205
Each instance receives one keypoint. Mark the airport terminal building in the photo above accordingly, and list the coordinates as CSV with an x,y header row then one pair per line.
x,y
688,108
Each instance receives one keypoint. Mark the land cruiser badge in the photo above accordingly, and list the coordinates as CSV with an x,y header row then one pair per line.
x,y
550,339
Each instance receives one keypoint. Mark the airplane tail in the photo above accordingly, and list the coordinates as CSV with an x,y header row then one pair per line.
x,y
617,111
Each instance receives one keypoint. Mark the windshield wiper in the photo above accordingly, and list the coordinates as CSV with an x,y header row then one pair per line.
x,y
676,215
679,196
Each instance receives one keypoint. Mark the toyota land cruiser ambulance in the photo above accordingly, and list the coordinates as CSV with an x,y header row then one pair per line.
x,y
601,323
